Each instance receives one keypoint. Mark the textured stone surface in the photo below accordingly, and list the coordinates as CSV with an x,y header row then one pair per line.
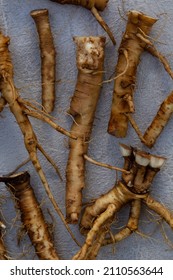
x,y
153,85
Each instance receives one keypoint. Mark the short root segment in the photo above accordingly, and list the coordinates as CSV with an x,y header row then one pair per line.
x,y
31,215
48,56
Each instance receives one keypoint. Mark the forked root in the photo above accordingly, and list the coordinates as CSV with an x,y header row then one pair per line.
x,y
132,225
133,188
19,110
99,222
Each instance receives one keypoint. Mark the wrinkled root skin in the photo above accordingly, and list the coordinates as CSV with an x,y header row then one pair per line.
x,y
133,188
31,215
130,51
90,58
159,122
19,108
48,58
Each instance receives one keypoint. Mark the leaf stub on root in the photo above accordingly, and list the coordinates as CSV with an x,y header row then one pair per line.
x,y
124,84
31,215
90,60
133,188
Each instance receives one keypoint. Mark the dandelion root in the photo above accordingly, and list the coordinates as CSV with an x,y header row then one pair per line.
x,y
143,168
130,51
90,58
31,215
41,18
19,110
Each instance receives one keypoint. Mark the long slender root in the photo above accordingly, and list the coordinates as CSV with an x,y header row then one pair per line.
x,y
91,160
46,119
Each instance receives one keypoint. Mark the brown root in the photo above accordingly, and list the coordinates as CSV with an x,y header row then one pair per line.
x,y
31,215
157,125
19,110
99,222
91,160
160,209
94,7
3,251
124,85
41,18
132,224
90,57
2,103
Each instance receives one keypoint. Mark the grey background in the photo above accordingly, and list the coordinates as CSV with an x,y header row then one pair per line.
x,y
153,85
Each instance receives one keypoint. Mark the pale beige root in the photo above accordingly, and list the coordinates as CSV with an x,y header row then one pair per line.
x,y
90,60
31,215
48,58
160,209
97,244
130,50
2,103
99,222
94,6
18,109
91,160
143,168
132,224
118,195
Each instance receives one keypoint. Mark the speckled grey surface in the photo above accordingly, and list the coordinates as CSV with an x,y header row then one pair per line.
x,y
153,85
